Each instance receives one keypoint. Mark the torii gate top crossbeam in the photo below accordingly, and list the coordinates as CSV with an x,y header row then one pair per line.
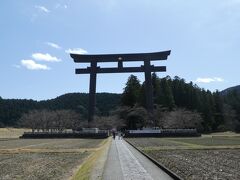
x,y
86,58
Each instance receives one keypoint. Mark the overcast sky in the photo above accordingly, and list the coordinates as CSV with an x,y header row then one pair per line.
x,y
37,36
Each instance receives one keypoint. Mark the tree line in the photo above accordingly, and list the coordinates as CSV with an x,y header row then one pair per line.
x,y
177,104
215,111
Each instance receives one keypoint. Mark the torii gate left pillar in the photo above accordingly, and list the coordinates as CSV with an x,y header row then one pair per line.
x,y
93,70
92,91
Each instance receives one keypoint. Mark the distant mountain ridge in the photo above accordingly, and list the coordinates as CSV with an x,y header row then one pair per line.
x,y
12,109
231,89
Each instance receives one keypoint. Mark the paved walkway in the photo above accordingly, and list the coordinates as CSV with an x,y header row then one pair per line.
x,y
126,163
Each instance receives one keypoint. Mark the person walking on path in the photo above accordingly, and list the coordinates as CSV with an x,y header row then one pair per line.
x,y
114,134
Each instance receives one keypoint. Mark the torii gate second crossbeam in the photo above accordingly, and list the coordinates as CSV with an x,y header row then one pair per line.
x,y
93,70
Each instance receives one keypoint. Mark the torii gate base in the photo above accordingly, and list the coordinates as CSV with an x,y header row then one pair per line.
x,y
147,68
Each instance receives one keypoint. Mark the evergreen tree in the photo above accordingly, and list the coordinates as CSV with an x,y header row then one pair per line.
x,y
208,111
158,93
219,117
167,99
233,99
131,92
178,89
142,96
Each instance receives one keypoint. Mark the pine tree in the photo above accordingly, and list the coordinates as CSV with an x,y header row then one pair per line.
x,y
142,96
157,89
178,89
131,91
167,99
219,118
208,111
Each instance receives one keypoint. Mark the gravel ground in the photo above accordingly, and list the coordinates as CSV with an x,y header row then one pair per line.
x,y
201,164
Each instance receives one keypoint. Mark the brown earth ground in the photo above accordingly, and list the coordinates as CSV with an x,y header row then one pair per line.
x,y
43,158
214,156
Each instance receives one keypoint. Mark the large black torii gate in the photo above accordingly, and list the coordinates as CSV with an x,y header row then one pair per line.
x,y
147,68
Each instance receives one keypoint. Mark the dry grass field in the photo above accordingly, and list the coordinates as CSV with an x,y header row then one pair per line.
x,y
43,158
214,156
12,132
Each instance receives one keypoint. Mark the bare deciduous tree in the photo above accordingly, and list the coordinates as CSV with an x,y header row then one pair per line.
x,y
46,120
180,119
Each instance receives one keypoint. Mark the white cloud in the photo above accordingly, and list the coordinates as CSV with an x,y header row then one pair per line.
x,y
56,46
45,57
42,8
209,80
218,79
76,51
32,65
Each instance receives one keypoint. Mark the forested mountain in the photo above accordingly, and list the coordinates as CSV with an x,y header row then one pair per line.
x,y
219,111
231,98
231,89
12,109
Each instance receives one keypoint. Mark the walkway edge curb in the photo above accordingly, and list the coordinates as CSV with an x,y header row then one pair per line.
x,y
161,166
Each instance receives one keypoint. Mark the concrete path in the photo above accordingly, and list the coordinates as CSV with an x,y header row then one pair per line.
x,y
126,163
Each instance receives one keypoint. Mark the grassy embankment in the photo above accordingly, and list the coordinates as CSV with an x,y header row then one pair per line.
x,y
96,158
